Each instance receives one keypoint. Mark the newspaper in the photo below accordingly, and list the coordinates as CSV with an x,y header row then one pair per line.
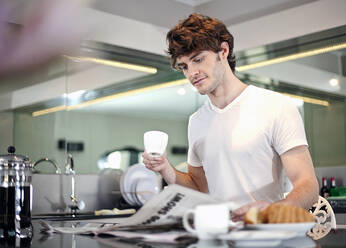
x,y
166,208
169,206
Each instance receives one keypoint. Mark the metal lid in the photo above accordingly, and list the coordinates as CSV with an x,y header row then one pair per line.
x,y
14,161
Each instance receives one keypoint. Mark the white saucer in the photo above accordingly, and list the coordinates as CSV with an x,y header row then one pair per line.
x,y
301,228
258,238
134,178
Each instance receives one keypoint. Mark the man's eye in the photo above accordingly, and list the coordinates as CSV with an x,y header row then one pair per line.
x,y
198,60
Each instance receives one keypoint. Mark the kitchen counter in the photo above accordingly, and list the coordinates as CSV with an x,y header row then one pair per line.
x,y
333,239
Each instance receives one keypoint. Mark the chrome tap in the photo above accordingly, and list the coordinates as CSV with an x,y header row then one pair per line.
x,y
69,169
51,161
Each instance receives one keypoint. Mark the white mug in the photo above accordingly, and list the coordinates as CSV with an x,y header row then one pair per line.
x,y
155,143
209,220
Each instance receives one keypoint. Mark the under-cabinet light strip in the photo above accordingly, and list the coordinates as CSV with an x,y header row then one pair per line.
x,y
49,110
184,81
147,89
128,93
291,57
114,63
309,99
111,97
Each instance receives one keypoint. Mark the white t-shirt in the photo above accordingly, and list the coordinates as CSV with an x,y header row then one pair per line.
x,y
239,146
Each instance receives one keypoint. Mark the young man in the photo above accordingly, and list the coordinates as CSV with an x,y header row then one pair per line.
x,y
243,137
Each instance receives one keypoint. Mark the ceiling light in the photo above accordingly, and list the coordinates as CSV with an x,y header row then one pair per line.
x,y
75,94
291,57
181,91
334,82
114,63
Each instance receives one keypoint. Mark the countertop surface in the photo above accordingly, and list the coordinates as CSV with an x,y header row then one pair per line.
x,y
332,239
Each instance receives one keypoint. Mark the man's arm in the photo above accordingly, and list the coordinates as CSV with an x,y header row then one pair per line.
x,y
194,178
299,169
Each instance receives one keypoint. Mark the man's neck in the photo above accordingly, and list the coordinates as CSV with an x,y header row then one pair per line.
x,y
227,91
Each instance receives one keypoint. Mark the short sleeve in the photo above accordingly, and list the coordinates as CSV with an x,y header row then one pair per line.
x,y
288,131
192,157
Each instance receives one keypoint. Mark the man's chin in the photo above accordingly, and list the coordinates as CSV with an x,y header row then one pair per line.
x,y
201,92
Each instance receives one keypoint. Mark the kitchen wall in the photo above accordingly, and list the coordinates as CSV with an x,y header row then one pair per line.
x,y
325,130
6,131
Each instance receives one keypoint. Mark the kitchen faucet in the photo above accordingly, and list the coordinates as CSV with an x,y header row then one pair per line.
x,y
51,161
69,170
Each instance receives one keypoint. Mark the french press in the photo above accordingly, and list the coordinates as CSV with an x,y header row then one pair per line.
x,y
15,195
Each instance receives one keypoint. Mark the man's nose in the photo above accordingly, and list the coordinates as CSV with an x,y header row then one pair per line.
x,y
193,72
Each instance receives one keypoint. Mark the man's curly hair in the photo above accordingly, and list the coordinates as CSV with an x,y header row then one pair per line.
x,y
199,33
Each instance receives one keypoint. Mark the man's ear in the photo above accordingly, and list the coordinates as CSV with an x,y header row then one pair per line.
x,y
224,50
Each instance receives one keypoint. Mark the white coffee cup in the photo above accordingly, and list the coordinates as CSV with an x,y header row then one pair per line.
x,y
155,143
209,220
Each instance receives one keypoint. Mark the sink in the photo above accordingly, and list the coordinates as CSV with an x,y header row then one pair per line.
x,y
75,216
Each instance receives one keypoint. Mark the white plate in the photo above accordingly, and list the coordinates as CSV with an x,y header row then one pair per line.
x,y
258,238
146,189
258,235
258,243
301,228
130,179
127,196
133,195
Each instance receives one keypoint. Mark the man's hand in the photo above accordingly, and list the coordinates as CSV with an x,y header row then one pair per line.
x,y
238,214
161,165
157,164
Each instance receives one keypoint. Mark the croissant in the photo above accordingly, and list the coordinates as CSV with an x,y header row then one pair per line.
x,y
278,213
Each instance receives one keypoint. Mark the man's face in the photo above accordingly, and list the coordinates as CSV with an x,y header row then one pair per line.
x,y
203,69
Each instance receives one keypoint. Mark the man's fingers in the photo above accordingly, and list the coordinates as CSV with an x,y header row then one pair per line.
x,y
242,210
154,163
155,168
262,205
237,218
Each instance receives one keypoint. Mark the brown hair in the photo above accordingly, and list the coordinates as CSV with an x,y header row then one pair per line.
x,y
198,33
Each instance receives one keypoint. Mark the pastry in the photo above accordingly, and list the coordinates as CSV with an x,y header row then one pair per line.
x,y
251,216
278,213
281,213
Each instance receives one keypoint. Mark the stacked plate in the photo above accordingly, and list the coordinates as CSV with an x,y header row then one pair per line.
x,y
138,184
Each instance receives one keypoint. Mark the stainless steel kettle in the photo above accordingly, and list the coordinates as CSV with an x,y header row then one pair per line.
x,y
15,195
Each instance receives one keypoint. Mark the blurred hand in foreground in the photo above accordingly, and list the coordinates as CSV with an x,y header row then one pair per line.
x,y
31,34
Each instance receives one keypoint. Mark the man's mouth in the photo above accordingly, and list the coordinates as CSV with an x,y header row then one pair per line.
x,y
198,81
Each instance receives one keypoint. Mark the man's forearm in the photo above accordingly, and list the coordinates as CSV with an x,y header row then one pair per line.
x,y
304,194
172,176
